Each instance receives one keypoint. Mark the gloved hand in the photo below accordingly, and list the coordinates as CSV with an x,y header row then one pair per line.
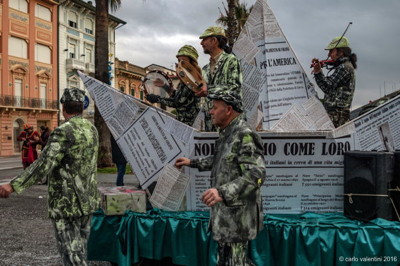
x,y
153,98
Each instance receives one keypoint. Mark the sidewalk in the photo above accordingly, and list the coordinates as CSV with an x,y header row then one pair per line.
x,y
110,179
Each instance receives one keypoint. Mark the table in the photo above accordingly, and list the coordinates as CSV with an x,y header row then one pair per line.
x,y
306,239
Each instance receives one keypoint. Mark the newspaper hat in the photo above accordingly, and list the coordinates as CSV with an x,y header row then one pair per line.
x,y
229,97
213,31
73,95
188,50
338,42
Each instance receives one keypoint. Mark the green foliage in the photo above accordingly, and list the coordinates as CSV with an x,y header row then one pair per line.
x,y
113,170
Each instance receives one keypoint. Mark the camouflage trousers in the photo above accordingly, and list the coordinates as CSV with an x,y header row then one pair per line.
x,y
233,254
71,235
339,116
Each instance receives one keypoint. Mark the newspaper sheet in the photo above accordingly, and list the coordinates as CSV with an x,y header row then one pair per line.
x,y
170,189
139,130
377,130
179,130
286,81
311,115
150,146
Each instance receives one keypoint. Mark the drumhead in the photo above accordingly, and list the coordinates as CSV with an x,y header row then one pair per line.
x,y
155,81
189,75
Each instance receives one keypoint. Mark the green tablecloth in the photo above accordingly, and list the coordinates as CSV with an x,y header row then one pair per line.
x,y
307,239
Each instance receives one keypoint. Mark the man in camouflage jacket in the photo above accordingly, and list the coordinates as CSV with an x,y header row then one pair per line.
x,y
237,174
223,71
69,161
340,85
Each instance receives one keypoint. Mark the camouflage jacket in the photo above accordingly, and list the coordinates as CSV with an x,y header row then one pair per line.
x,y
69,161
339,90
227,76
185,102
237,172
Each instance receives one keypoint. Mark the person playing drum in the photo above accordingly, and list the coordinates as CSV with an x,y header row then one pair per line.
x,y
183,99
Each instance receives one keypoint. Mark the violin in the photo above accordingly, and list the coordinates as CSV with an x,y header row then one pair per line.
x,y
324,63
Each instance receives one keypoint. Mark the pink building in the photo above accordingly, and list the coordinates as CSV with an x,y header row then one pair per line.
x,y
29,69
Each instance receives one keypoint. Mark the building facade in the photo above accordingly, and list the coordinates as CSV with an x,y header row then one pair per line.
x,y
29,69
128,78
77,46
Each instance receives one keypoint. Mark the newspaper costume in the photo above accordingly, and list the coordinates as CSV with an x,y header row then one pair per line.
x,y
338,87
237,172
225,75
69,160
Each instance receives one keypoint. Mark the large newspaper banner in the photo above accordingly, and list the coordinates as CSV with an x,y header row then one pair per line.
x,y
138,130
304,172
272,72
377,130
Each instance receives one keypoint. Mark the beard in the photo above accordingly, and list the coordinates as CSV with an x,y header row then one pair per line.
x,y
206,51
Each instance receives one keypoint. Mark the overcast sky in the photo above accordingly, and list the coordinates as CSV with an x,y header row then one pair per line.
x,y
156,29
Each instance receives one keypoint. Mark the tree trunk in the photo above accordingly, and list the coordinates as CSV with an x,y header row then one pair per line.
x,y
232,33
101,65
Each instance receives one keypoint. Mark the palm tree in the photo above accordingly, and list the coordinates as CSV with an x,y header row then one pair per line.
x,y
101,65
234,19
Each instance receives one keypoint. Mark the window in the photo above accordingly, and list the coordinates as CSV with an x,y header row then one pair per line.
x,y
73,20
17,92
43,53
42,95
89,26
21,5
17,47
133,92
73,83
89,53
43,12
72,50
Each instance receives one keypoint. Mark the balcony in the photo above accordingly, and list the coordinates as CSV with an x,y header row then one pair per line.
x,y
22,102
72,64
90,68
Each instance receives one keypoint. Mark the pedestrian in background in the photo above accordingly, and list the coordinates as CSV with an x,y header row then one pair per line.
x,y
70,163
119,159
29,142
44,136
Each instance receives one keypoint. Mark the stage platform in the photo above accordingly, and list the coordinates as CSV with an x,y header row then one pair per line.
x,y
307,239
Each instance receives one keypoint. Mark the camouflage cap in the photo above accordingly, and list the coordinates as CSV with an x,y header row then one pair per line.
x,y
338,42
188,50
229,97
73,95
213,31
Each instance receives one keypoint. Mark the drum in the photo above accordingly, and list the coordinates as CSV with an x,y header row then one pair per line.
x,y
189,75
155,81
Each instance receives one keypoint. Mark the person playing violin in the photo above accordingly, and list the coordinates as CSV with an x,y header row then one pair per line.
x,y
340,85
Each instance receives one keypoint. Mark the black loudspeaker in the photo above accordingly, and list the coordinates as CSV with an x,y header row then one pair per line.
x,y
395,186
368,173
